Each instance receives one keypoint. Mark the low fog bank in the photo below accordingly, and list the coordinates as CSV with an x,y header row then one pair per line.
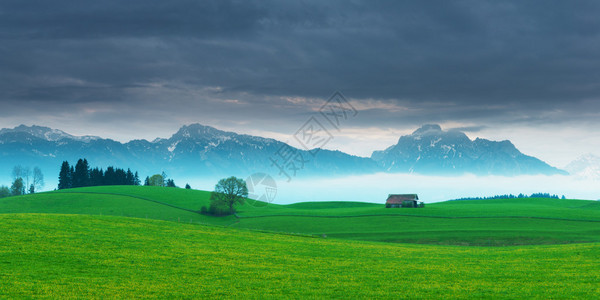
x,y
376,187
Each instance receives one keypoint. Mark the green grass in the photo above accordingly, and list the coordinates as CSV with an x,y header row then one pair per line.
x,y
149,242
480,223
170,204
85,256
483,223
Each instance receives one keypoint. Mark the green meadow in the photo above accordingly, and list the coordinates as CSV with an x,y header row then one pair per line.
x,y
470,223
133,242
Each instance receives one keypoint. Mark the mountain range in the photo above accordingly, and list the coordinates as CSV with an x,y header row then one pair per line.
x,y
203,151
430,150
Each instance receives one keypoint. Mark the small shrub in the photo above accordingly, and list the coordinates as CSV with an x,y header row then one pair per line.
x,y
218,210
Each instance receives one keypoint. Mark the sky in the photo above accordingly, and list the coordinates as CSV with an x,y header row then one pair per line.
x,y
526,71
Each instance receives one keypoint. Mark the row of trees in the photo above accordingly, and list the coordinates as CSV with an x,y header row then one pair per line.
x,y
519,196
82,175
161,180
24,181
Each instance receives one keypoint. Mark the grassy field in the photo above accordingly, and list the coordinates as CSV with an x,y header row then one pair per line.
x,y
92,256
481,223
169,204
133,242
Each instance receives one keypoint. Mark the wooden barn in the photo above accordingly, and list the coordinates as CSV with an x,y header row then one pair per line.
x,y
403,200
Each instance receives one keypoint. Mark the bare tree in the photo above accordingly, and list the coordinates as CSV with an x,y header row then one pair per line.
x,y
38,179
23,173
17,172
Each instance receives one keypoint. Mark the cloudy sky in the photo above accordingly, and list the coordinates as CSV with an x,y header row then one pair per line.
x,y
528,71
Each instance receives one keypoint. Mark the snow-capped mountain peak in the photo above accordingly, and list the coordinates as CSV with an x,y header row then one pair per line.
x,y
428,129
430,149
586,166
48,134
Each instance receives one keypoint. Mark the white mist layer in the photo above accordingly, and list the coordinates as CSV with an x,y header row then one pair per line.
x,y
376,187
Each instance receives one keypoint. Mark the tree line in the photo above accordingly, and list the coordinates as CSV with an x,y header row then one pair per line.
x,y
81,175
519,196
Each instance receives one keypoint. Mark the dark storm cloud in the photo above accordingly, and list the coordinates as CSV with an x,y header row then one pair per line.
x,y
446,60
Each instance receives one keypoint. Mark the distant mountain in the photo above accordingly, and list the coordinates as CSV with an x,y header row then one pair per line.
x,y
47,134
201,151
585,167
194,151
430,150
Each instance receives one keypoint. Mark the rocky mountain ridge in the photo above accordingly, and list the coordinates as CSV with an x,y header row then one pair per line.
x,y
203,151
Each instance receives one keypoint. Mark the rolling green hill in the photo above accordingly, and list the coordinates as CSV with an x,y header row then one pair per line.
x,y
150,242
84,256
159,203
474,222
484,222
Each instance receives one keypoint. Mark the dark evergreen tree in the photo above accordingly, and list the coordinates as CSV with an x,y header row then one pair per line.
x,y
65,180
147,181
136,179
96,177
129,179
110,176
187,186
81,177
120,177
171,183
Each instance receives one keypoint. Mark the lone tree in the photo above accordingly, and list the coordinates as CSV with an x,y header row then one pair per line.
x,y
228,192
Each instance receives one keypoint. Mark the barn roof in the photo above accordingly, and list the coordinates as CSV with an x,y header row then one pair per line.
x,y
398,198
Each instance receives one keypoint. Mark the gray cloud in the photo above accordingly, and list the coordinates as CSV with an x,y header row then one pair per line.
x,y
473,61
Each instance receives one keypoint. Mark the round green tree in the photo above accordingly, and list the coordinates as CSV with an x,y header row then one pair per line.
x,y
229,192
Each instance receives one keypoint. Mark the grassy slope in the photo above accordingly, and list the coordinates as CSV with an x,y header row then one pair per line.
x,y
486,222
74,256
128,201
